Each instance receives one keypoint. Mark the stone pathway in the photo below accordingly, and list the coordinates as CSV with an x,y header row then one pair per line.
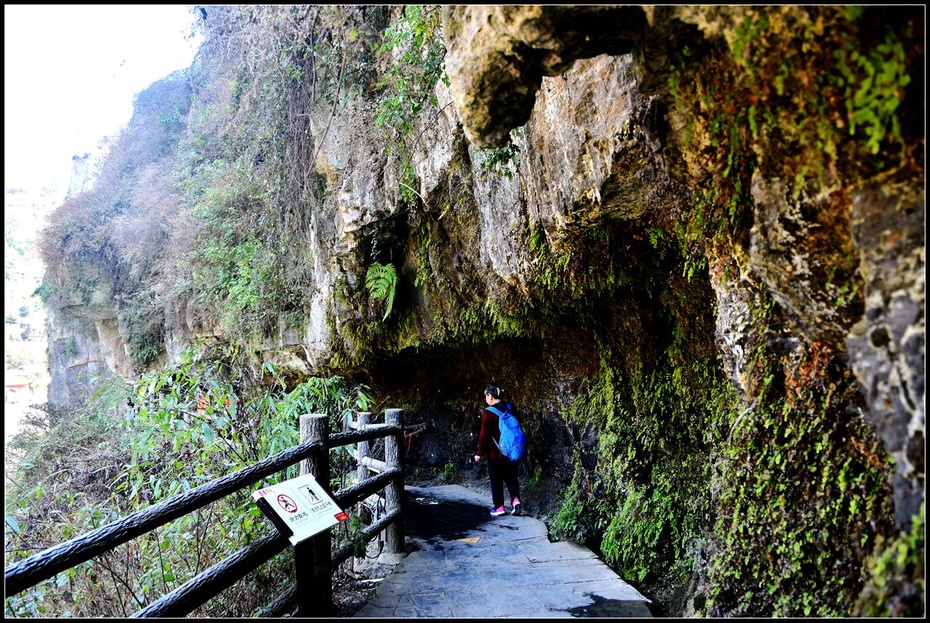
x,y
470,564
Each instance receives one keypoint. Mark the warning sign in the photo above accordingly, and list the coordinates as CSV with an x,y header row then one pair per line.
x,y
299,507
287,503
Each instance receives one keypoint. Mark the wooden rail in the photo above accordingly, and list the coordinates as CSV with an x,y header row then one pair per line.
x,y
314,559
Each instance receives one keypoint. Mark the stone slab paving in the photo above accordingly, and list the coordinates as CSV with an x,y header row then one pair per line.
x,y
472,565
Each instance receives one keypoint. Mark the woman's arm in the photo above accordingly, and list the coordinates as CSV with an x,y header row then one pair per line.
x,y
483,435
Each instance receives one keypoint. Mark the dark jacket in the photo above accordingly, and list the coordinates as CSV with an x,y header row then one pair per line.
x,y
490,433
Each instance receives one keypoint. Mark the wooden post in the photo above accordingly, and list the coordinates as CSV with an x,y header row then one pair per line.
x,y
364,419
313,556
394,492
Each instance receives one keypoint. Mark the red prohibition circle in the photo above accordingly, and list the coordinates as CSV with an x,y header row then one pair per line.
x,y
288,504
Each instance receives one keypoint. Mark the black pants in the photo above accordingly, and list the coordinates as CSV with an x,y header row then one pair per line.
x,y
501,471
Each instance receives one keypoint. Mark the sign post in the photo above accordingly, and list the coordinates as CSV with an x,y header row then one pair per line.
x,y
299,508
303,509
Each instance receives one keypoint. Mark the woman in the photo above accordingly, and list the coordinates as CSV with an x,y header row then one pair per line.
x,y
500,469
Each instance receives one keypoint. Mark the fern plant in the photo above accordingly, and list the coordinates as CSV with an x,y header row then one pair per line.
x,y
381,281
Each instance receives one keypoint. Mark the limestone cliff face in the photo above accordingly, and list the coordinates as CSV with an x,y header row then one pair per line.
x,y
796,245
803,249
638,246
83,334
84,342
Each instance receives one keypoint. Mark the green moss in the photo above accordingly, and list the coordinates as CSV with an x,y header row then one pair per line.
x,y
896,585
820,84
657,408
803,496
573,521
580,269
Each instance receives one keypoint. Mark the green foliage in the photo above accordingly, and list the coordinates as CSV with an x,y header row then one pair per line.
x,y
331,396
897,575
145,332
59,472
145,350
800,79
503,161
873,83
76,240
804,494
656,235
237,269
582,268
415,48
191,414
43,291
381,281
248,161
835,79
71,347
642,528
652,460
415,43
197,421
573,520
536,476
705,86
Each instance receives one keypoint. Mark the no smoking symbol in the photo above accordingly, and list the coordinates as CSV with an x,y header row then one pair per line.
x,y
285,502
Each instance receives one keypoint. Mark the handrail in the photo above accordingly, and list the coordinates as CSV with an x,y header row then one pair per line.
x,y
201,589
29,572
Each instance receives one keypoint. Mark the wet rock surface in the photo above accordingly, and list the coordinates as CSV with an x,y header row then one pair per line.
x,y
439,520
426,519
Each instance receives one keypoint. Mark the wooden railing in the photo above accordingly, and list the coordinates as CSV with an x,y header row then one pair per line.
x,y
314,559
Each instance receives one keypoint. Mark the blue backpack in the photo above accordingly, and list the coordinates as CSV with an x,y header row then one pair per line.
x,y
513,441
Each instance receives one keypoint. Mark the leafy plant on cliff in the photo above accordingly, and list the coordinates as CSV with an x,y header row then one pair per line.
x,y
71,348
503,161
873,87
706,88
144,326
800,94
76,246
268,86
656,402
817,77
574,519
415,51
790,542
234,268
381,281
576,266
655,503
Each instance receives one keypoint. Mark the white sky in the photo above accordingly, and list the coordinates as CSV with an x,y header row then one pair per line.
x,y
70,73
